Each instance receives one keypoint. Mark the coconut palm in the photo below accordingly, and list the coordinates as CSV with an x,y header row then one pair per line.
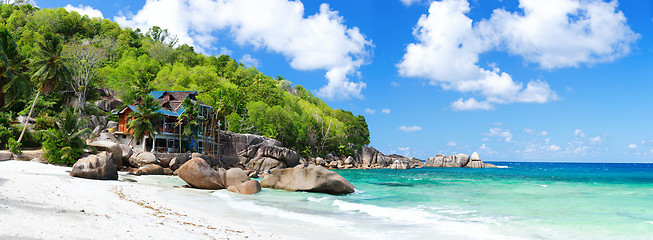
x,y
65,142
145,119
13,83
51,69
189,118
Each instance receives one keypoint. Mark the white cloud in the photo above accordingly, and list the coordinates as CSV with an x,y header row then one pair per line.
x,y
370,111
448,54
483,146
470,104
544,133
395,84
451,143
224,51
596,139
554,147
403,148
386,110
409,2
498,132
319,41
413,128
579,133
535,132
632,146
85,10
529,131
250,61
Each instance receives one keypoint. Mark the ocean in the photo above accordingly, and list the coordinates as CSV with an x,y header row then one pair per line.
x,y
521,200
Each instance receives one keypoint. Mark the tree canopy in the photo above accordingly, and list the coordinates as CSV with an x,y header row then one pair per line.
x,y
138,61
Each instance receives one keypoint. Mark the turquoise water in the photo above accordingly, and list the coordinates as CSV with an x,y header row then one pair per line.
x,y
523,201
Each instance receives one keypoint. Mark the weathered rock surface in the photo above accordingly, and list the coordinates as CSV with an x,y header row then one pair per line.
x,y
248,187
111,147
398,164
142,158
313,178
100,166
150,169
198,174
475,161
127,152
460,160
234,176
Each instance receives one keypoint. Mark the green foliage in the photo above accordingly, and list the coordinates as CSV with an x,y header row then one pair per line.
x,y
145,118
246,100
63,144
44,123
14,146
189,118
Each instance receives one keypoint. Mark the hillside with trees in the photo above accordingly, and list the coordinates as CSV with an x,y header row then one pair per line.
x,y
62,59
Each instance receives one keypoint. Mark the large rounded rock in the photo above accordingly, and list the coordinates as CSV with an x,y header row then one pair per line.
x,y
142,159
198,174
459,160
265,164
99,166
313,178
475,157
111,147
234,176
150,169
248,187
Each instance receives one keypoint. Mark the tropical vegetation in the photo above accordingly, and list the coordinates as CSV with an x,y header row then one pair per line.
x,y
135,61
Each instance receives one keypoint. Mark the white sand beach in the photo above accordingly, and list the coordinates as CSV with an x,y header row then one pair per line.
x,y
41,201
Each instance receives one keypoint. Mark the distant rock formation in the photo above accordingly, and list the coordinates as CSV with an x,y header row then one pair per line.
x,y
459,160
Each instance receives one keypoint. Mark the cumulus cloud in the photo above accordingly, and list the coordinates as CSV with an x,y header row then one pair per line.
x,y
596,139
250,61
554,147
553,34
85,10
632,146
413,128
318,41
386,110
370,111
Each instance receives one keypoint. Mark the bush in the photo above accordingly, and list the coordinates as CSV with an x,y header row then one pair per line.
x,y
14,146
63,144
44,123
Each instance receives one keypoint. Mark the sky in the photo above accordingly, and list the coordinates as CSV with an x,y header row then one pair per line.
x,y
514,80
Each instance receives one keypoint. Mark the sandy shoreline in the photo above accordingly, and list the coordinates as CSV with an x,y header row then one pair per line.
x,y
42,201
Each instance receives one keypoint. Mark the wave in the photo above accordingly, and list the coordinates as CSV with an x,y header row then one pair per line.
x,y
503,167
251,206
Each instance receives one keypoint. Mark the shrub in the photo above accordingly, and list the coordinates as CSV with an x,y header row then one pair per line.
x,y
44,123
14,146
63,144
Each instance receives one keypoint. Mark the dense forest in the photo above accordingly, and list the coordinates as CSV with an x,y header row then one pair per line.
x,y
98,53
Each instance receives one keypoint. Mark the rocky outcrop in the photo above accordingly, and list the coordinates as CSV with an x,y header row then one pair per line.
x,y
198,174
233,176
142,158
108,101
111,147
100,166
398,164
248,187
150,169
459,160
313,178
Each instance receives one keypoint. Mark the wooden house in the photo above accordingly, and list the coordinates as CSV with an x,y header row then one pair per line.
x,y
168,138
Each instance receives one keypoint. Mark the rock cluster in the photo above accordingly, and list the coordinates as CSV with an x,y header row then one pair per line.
x,y
198,174
459,160
100,166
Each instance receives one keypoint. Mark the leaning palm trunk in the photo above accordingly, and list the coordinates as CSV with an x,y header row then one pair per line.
x,y
29,115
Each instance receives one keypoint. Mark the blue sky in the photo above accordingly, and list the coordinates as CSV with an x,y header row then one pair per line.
x,y
559,80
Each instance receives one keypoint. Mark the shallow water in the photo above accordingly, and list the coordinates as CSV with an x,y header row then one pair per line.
x,y
523,201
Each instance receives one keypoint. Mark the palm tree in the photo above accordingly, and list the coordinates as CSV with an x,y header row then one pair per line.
x,y
143,85
13,83
145,119
67,135
51,70
189,118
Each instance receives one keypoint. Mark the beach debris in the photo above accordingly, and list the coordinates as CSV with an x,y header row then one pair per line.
x,y
100,166
313,178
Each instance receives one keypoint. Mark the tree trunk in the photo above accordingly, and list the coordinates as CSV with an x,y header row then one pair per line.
x,y
29,115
